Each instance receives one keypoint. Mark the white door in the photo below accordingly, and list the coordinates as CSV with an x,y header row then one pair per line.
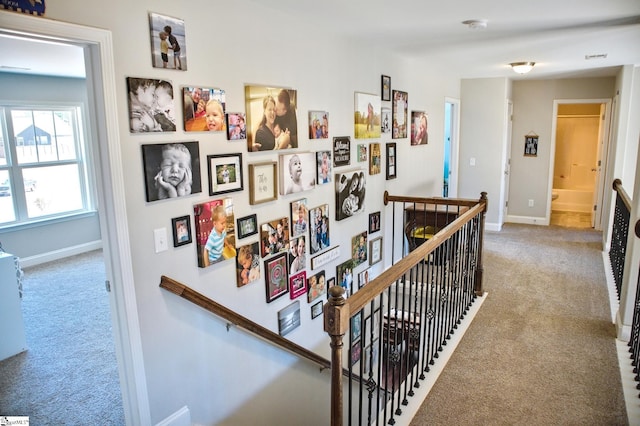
x,y
451,140
507,162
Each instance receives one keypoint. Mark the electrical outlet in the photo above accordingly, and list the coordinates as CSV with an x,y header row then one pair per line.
x,y
160,239
530,203
472,161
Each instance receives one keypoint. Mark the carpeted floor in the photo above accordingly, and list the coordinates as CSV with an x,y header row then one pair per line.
x,y
68,375
541,351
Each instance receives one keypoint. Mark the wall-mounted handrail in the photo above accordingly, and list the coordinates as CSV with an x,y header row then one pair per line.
x,y
617,186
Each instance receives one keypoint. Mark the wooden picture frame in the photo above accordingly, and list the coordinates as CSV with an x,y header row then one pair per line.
x,y
247,226
391,161
297,284
225,173
181,227
385,88
375,250
263,182
276,277
374,222
400,112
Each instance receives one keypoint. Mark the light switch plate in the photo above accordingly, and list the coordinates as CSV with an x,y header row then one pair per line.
x,y
160,239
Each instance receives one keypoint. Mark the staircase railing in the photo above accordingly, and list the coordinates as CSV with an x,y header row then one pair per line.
x,y
396,325
619,234
634,339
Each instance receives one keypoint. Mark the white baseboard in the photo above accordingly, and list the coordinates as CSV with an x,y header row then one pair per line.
x,y
528,220
26,262
493,227
182,417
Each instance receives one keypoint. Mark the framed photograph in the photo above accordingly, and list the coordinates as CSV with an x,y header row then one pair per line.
x,y
350,192
263,182
356,352
371,357
399,114
215,231
374,158
374,222
362,153
385,120
297,172
316,310
419,134
375,250
289,318
341,151
299,225
323,163
330,283
363,278
356,327
391,161
225,173
318,125
151,106
319,228
171,170
317,286
297,255
279,131
385,88
367,116
276,277
274,237
168,45
204,109
344,274
236,127
248,264
297,285
359,248
531,145
181,227
247,226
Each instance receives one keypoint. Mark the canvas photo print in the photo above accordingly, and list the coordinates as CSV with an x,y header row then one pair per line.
x,y
323,163
151,105
419,135
319,228
215,231
366,116
274,237
297,172
272,121
171,170
168,42
204,109
318,125
248,264
350,193
236,126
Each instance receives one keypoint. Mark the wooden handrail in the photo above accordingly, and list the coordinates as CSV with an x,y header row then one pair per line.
x,y
468,202
617,186
232,317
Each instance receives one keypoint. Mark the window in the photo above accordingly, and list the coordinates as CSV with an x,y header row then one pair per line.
x,y
42,167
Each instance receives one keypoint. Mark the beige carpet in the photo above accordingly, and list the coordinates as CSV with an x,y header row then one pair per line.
x,y
541,351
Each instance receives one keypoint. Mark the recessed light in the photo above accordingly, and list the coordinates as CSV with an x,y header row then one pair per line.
x,y
476,24
596,56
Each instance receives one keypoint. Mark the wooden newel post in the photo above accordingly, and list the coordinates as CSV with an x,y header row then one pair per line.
x,y
480,268
336,318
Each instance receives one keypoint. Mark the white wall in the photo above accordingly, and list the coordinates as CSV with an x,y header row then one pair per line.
x,y
228,377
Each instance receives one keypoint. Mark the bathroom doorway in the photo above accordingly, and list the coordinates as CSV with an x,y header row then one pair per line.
x,y
580,133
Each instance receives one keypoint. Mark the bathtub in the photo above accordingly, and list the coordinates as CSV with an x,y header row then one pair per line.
x,y
572,200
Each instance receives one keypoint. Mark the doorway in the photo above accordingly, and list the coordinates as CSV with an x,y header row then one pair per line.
x,y
98,48
580,143
450,160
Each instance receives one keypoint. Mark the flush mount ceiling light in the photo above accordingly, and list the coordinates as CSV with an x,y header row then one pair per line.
x,y
522,67
476,24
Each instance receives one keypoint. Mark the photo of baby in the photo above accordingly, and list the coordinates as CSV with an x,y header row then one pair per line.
x,y
151,106
171,170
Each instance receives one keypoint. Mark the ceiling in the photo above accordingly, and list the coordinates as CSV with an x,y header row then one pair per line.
x,y
557,35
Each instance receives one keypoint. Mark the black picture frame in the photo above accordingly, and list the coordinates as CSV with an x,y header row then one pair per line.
x,y
247,226
391,161
225,173
385,88
181,227
316,310
374,222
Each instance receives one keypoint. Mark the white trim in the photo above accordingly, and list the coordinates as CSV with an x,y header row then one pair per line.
x,y
529,220
454,146
494,227
119,269
26,262
182,417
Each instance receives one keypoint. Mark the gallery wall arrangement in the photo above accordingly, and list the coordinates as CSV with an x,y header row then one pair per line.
x,y
287,251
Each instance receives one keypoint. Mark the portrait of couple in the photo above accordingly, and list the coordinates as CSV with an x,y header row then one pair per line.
x,y
271,118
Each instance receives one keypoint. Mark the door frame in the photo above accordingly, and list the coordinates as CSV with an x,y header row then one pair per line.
x,y
106,157
603,153
454,146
